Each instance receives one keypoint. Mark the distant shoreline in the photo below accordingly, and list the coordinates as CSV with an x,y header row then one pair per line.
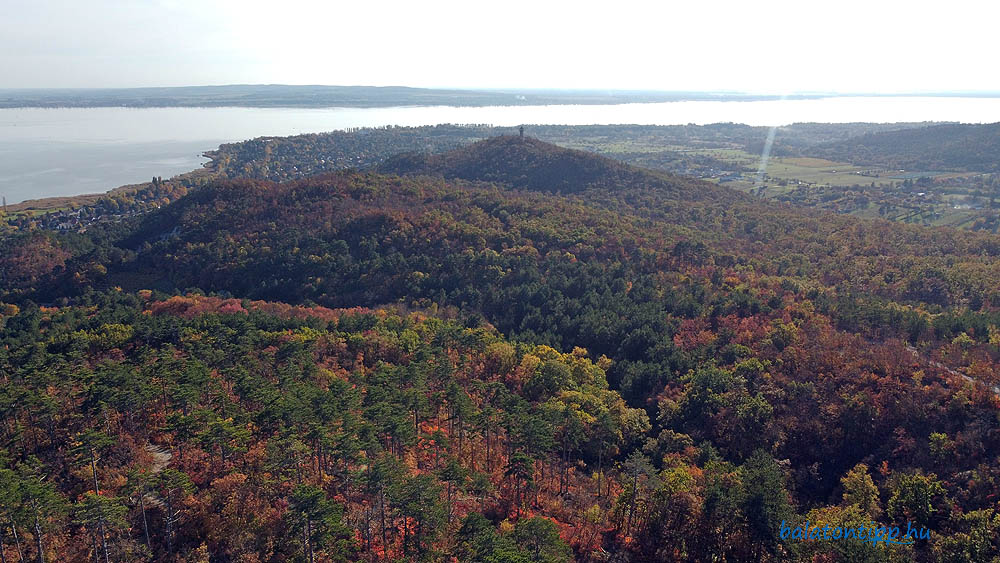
x,y
286,96
47,204
281,96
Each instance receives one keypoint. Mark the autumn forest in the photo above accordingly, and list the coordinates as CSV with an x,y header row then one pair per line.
x,y
497,352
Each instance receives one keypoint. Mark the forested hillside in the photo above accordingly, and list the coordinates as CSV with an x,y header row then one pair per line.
x,y
509,352
533,165
199,427
964,147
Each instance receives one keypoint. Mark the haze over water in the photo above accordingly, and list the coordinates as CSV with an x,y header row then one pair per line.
x,y
72,151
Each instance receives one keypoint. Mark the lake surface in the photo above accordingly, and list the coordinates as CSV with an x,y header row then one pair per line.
x,y
61,152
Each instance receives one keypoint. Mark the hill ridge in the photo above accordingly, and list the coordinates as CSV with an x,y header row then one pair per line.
x,y
532,164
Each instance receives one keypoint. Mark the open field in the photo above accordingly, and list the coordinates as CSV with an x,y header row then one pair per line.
x,y
928,197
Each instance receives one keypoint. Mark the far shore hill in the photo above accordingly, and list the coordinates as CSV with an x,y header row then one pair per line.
x,y
320,96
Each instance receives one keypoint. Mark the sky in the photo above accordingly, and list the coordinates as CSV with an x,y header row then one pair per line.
x,y
768,46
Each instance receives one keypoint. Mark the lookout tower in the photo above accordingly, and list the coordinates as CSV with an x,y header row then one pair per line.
x,y
520,130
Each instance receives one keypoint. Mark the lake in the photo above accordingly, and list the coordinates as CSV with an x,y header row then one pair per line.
x,y
72,151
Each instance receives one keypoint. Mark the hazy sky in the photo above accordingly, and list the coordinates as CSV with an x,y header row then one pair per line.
x,y
772,46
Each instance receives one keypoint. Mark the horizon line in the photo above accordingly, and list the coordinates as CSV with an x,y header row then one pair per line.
x,y
507,89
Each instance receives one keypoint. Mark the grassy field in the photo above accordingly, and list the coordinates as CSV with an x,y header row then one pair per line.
x,y
800,169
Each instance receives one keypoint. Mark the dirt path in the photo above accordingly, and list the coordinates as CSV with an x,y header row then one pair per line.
x,y
161,458
937,364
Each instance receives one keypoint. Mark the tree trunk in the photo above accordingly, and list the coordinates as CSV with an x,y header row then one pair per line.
x,y
368,529
170,524
416,433
562,468
321,463
104,538
100,515
517,495
406,530
17,541
541,473
145,522
38,532
449,501
600,470
306,547
635,495
34,432
50,426
385,541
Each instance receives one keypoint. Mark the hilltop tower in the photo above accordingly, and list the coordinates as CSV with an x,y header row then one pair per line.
x,y
521,131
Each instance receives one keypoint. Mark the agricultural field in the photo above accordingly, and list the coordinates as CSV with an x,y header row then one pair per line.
x,y
935,198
